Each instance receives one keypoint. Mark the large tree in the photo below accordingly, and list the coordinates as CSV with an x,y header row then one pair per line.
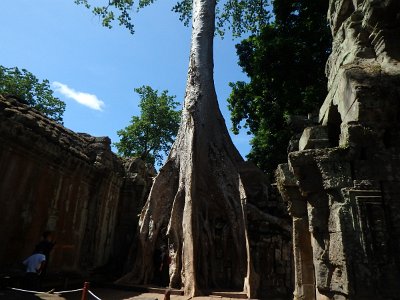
x,y
286,66
198,201
28,88
151,134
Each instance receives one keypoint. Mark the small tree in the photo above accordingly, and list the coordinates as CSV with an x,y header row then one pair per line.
x,y
151,135
24,85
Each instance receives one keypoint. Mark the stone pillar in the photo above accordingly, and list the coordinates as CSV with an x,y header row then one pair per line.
x,y
303,258
302,250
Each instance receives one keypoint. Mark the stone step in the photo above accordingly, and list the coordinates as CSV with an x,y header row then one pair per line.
x,y
145,288
162,290
229,294
177,292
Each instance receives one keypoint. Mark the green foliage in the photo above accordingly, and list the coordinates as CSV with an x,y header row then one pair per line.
x,y
112,9
286,64
24,85
151,135
240,16
236,15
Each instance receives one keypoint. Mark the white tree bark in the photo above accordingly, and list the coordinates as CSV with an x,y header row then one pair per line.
x,y
195,204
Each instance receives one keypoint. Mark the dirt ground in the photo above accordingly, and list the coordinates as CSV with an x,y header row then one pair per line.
x,y
101,293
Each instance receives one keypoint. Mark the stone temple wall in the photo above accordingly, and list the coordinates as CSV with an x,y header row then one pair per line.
x,y
342,186
54,179
270,245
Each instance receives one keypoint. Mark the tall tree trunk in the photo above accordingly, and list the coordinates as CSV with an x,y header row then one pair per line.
x,y
195,205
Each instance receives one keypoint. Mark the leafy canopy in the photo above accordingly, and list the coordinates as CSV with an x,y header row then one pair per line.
x,y
285,63
24,85
239,15
151,135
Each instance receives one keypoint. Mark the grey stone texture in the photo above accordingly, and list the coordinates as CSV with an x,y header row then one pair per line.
x,y
69,183
342,187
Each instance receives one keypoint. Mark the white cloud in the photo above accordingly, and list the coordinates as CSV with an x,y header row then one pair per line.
x,y
86,99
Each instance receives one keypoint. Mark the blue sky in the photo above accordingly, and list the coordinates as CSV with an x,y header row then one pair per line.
x,y
95,69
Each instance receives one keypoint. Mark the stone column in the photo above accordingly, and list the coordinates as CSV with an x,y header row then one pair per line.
x,y
302,250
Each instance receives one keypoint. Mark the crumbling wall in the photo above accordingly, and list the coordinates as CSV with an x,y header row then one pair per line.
x,y
342,185
69,183
270,244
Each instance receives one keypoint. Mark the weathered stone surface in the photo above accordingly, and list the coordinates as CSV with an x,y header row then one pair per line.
x,y
314,138
346,246
270,246
69,183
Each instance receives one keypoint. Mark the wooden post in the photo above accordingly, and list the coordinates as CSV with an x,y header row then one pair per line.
x,y
85,291
167,294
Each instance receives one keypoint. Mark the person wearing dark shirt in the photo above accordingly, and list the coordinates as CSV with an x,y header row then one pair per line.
x,y
45,246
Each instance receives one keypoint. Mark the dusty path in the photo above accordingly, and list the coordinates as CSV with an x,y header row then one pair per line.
x,y
103,294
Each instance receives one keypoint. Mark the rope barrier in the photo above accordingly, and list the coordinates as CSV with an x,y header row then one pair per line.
x,y
91,293
70,291
27,291
58,293
37,292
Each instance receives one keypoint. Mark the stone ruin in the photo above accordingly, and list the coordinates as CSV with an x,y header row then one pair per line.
x,y
55,179
69,183
342,186
341,183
